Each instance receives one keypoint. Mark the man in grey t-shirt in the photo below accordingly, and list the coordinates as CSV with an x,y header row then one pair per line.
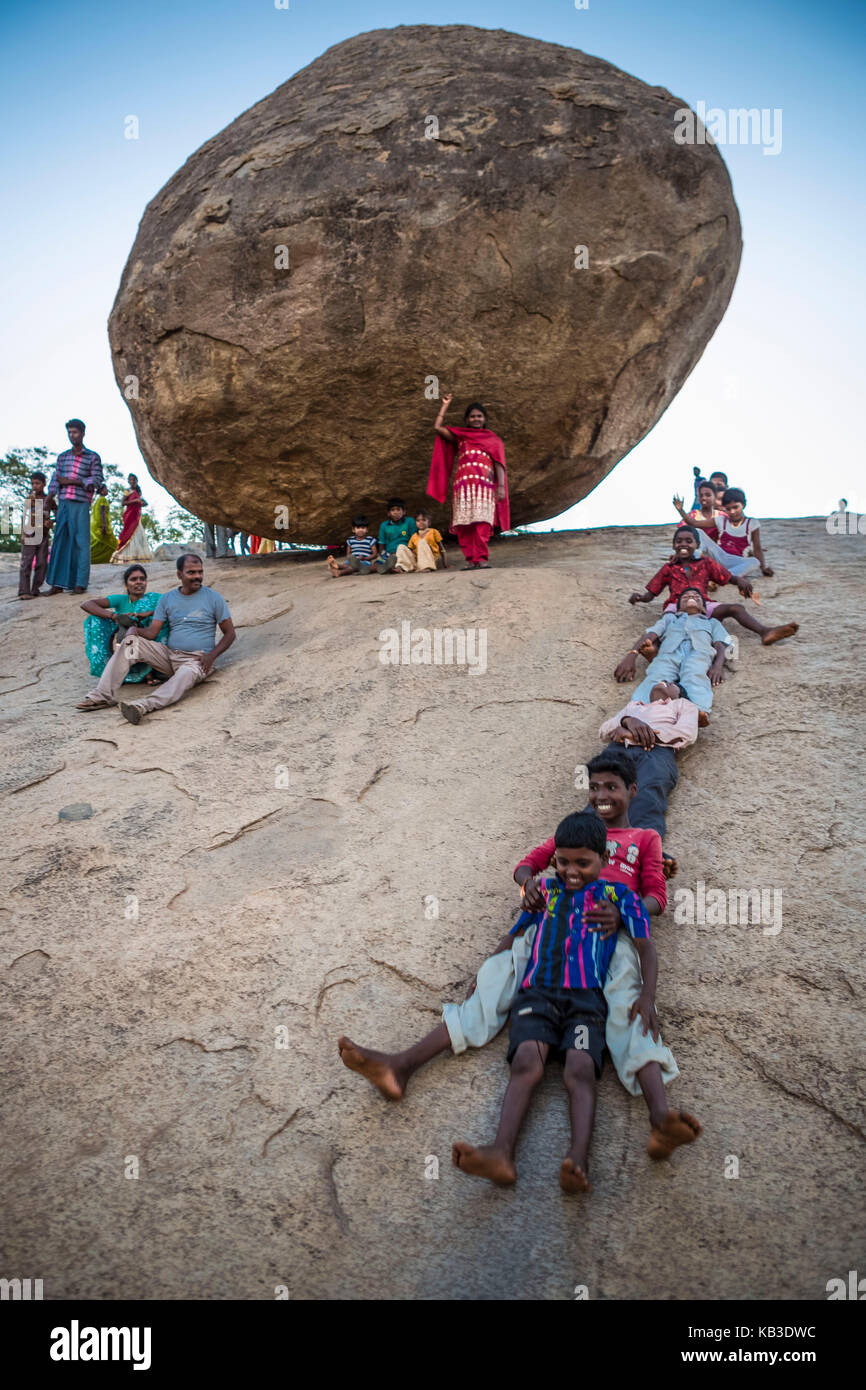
x,y
193,613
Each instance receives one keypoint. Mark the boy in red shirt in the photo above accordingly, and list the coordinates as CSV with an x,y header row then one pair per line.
x,y
642,1061
687,572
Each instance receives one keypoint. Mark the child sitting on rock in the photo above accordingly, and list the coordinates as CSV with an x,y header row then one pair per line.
x,y
397,529
426,549
560,1005
361,551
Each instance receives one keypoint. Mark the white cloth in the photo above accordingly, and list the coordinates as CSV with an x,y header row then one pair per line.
x,y
480,1017
136,548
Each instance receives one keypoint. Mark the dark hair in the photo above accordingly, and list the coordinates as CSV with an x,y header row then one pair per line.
x,y
78,423
697,472
704,482
360,521
41,476
693,530
131,569
581,830
690,589
618,763
132,475
422,511
675,685
717,473
474,405
182,559
396,502
734,494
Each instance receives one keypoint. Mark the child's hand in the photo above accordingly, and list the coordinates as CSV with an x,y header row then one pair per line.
x,y
635,597
678,503
717,674
765,569
645,1007
532,899
625,671
642,734
604,917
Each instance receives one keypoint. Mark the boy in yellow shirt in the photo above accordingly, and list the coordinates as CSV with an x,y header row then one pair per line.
x,y
426,549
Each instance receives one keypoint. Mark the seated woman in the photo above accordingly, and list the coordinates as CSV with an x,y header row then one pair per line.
x,y
110,617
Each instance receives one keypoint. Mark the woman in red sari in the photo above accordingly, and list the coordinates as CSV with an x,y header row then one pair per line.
x,y
132,543
479,495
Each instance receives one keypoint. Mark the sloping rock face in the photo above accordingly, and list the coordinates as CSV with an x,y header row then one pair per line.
x,y
406,215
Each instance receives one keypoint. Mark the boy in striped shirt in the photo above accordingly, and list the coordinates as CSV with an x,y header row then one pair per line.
x,y
361,551
560,1004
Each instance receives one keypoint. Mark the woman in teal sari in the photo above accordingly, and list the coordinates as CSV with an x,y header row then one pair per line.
x,y
109,618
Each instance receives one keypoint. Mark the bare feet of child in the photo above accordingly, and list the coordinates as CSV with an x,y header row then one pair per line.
x,y
378,1067
703,719
485,1162
776,634
572,1178
333,566
677,1128
647,648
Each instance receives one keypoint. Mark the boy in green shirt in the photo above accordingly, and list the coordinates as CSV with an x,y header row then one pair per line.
x,y
395,531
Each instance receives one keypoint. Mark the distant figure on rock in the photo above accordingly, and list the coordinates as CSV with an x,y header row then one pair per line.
x,y
36,520
192,612
103,541
77,475
396,530
479,495
426,549
361,551
132,543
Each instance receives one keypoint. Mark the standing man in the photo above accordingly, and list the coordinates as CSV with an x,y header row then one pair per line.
x,y
77,475
192,612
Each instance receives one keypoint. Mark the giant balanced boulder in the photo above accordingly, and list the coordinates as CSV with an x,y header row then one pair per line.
x,y
421,209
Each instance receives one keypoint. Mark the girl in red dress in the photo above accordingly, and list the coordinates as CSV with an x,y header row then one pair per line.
x,y
479,495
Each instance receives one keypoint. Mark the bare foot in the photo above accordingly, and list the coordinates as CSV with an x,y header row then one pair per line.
x,y
378,1067
484,1162
647,648
670,866
703,719
776,634
572,1177
332,565
678,1128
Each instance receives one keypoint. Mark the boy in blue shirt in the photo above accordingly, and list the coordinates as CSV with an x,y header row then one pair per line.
x,y
394,531
560,1004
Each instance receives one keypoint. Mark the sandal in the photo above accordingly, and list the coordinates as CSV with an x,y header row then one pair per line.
x,y
86,705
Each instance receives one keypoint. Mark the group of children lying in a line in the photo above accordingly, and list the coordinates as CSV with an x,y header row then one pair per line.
x,y
578,970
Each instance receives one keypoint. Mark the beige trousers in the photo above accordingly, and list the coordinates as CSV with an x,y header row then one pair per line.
x,y
183,668
406,560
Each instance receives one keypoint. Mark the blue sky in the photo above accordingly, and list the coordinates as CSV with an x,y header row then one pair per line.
x,y
774,400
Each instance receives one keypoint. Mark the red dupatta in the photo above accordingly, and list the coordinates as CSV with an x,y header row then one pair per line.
x,y
442,465
131,517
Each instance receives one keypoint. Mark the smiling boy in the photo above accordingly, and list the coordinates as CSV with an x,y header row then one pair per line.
x,y
560,1005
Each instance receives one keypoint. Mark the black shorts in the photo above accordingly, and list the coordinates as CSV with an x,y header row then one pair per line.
x,y
553,1016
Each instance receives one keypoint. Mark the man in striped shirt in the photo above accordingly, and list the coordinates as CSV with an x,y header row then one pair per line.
x,y
77,475
561,1005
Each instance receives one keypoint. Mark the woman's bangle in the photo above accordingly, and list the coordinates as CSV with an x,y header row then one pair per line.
x,y
634,652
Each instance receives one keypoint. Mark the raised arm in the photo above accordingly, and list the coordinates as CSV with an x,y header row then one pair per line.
x,y
441,428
